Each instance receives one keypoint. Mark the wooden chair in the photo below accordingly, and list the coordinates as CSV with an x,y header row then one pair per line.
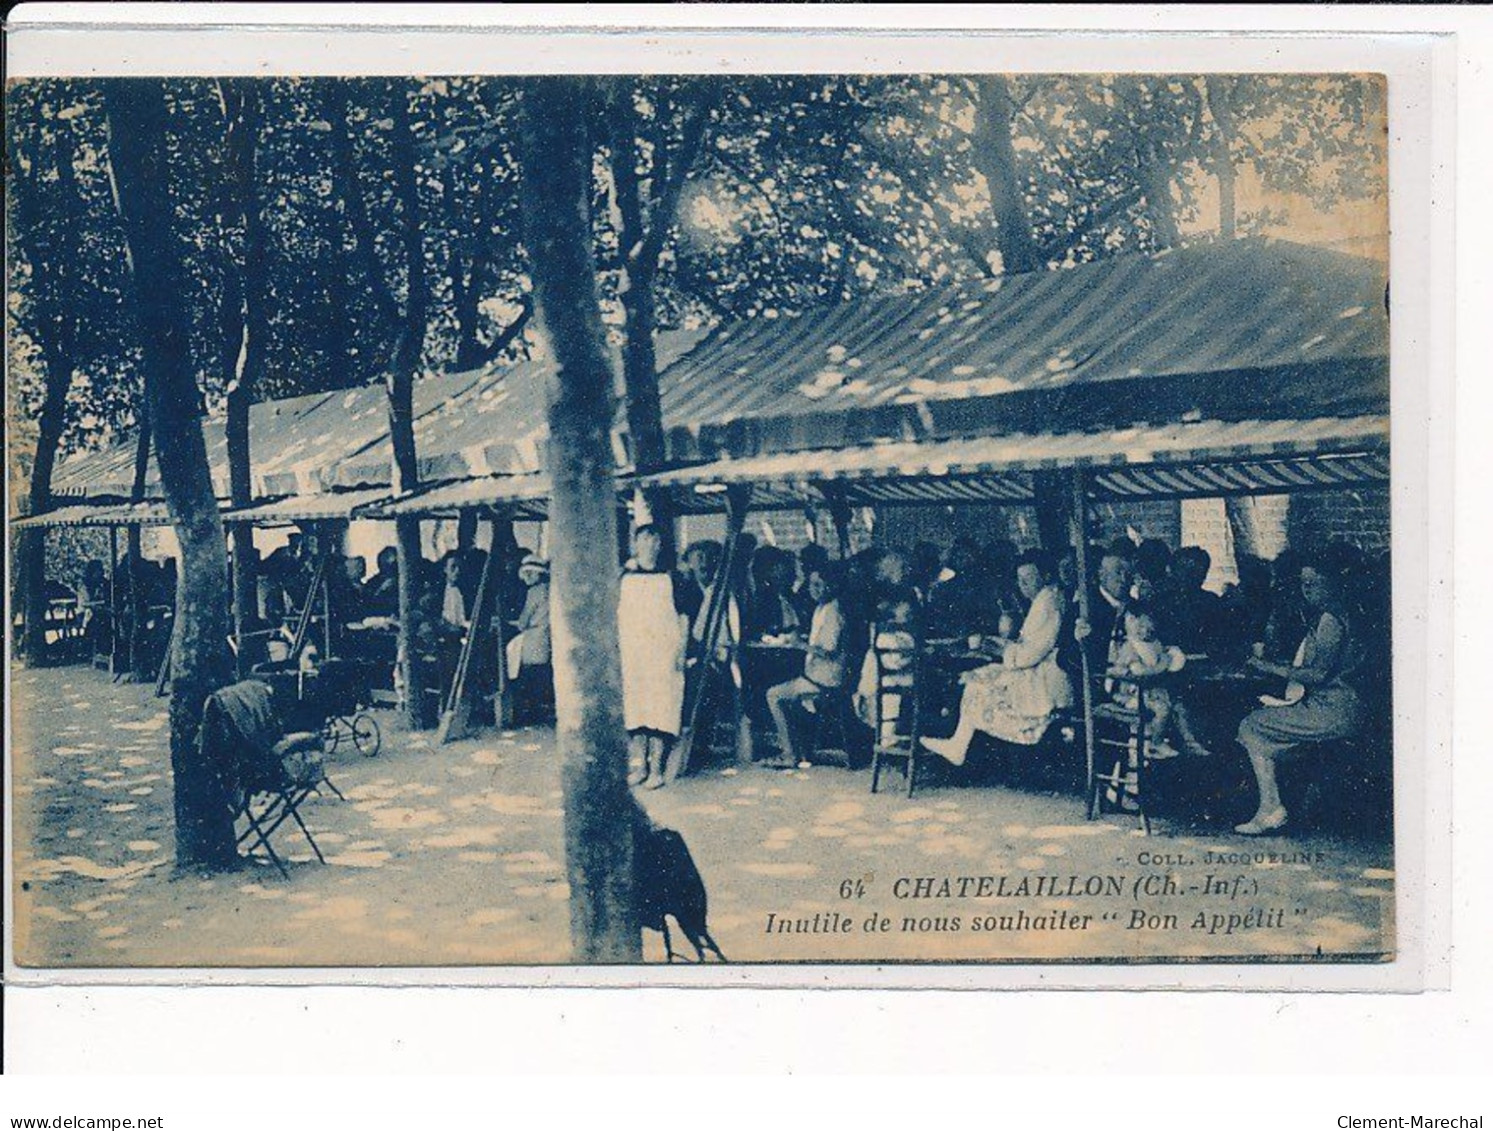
x,y
1124,753
897,702
267,774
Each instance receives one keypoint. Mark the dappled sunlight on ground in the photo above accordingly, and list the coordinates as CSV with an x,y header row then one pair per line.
x,y
454,855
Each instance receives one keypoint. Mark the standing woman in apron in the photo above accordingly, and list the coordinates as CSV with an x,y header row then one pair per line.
x,y
653,632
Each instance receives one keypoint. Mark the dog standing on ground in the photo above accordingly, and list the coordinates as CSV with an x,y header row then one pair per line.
x,y
668,883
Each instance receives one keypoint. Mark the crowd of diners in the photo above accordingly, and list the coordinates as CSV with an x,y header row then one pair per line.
x,y
1284,658
794,635
364,615
88,615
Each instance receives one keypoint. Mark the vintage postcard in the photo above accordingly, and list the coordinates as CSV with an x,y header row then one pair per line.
x,y
469,520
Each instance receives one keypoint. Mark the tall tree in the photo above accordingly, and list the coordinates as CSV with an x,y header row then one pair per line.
x,y
995,158
246,321
1218,90
386,109
51,259
400,385
139,115
655,130
588,680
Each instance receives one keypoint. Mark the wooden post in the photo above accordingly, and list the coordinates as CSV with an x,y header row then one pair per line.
x,y
163,675
456,712
839,513
326,609
113,600
716,613
503,700
303,626
1078,529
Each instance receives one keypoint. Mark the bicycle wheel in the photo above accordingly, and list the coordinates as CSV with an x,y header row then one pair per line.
x,y
366,736
331,736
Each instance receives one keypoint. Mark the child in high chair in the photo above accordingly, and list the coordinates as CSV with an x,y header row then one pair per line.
x,y
1142,654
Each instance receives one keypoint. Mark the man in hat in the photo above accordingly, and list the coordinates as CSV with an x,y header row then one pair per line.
x,y
529,664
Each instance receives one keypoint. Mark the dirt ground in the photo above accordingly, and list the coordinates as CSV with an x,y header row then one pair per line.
x,y
453,855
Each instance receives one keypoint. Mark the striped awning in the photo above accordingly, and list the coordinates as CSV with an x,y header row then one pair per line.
x,y
1254,477
1226,331
308,508
1232,331
99,514
524,494
1198,458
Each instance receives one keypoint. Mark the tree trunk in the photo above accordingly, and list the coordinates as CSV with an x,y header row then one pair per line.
x,y
138,116
584,593
995,158
401,390
241,113
33,542
240,489
645,422
357,247
1217,91
1156,187
54,328
644,236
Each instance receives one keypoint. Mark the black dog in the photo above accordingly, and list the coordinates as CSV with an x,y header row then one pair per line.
x,y
668,883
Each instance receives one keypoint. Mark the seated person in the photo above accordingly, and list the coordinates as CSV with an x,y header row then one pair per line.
x,y
455,605
811,558
1320,702
768,626
529,661
1144,656
381,591
1014,699
346,590
700,564
824,666
924,566
767,610
1194,620
93,608
961,602
1101,634
1246,608
288,577
1151,577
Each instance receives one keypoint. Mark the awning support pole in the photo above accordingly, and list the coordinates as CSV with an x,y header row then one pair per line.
x,y
135,666
502,530
113,601
716,613
1078,520
326,609
839,513
163,677
303,626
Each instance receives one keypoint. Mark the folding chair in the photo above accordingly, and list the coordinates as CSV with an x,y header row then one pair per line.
x,y
269,774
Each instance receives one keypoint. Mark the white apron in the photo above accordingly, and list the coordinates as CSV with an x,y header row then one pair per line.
x,y
651,636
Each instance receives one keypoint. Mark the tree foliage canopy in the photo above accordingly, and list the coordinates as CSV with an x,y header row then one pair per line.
x,y
758,196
